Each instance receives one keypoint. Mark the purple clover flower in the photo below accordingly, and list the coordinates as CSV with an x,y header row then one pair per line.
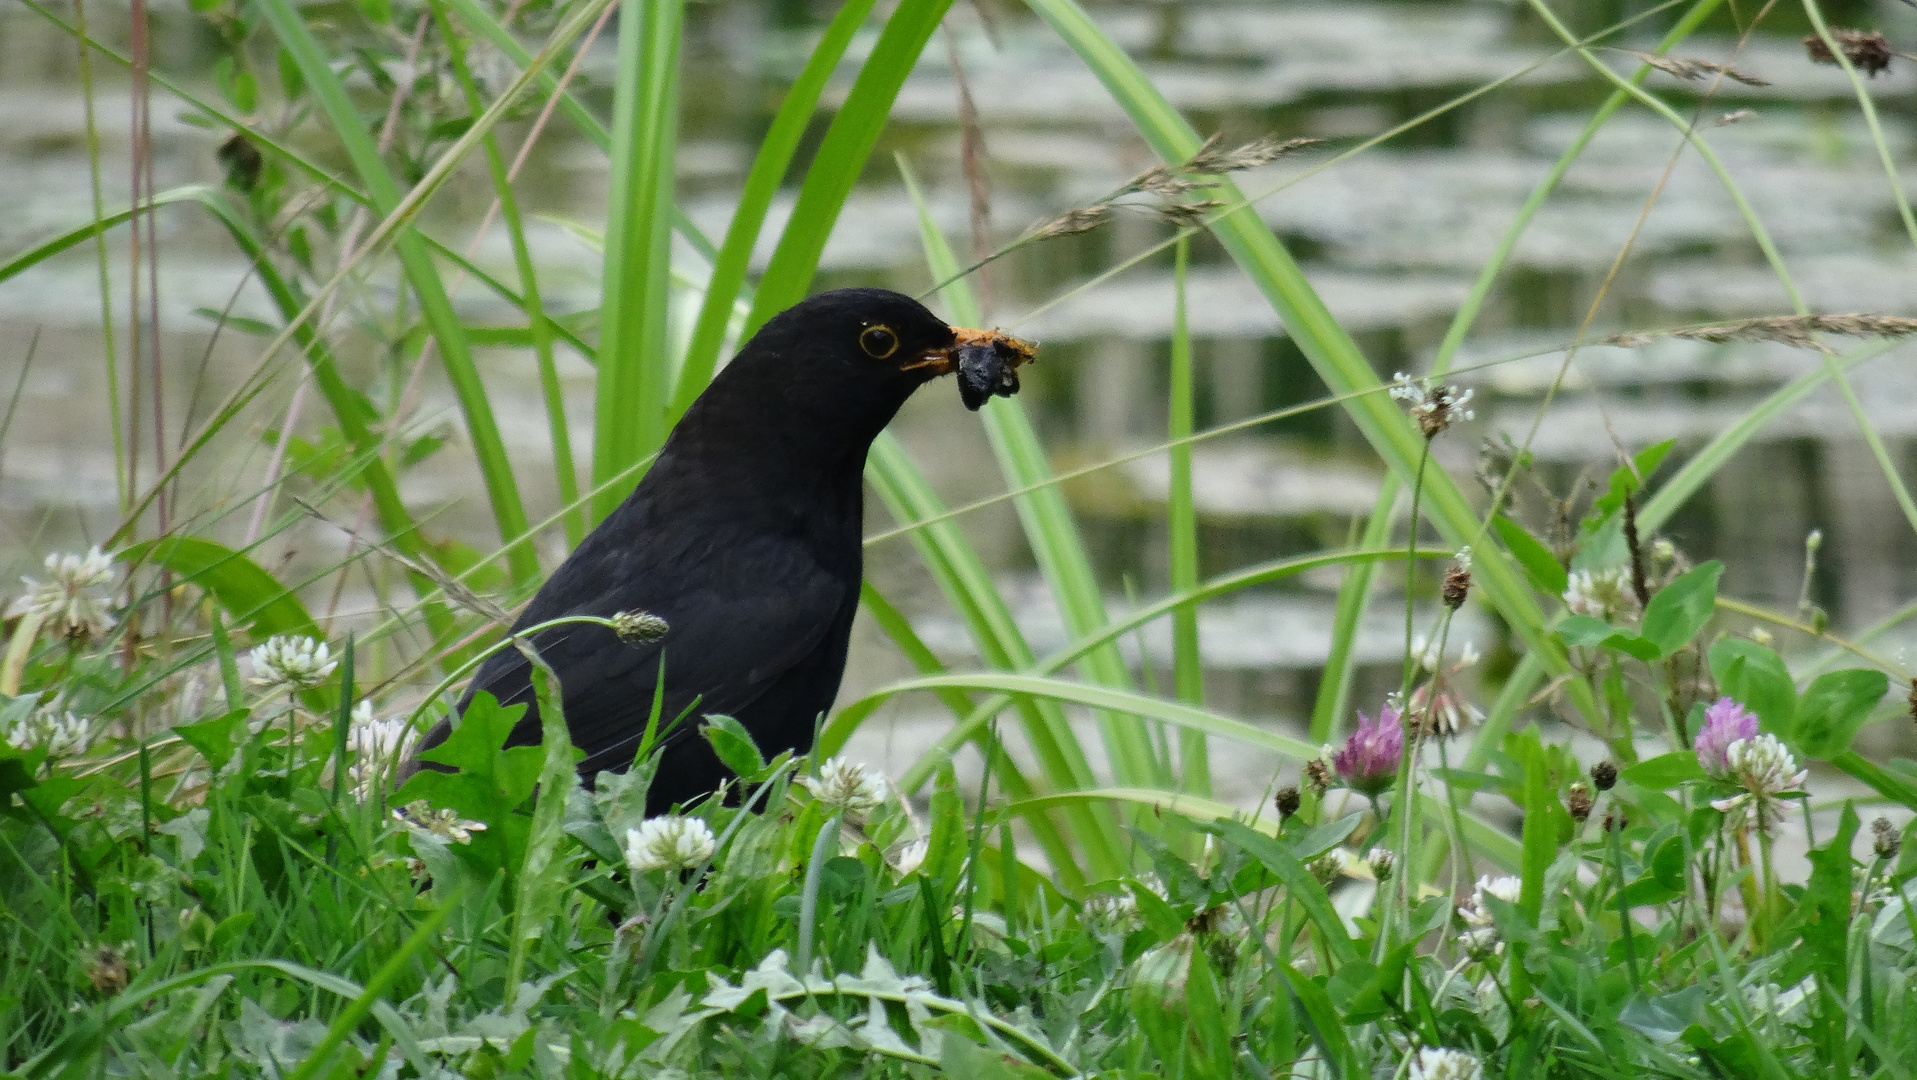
x,y
1725,722
1368,761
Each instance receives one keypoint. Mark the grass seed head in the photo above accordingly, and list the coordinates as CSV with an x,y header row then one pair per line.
x,y
1867,51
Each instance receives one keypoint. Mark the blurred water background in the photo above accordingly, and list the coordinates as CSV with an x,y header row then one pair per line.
x,y
1391,238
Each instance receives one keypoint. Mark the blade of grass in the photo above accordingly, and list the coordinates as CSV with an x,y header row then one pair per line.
x,y
842,156
541,326
635,374
1331,351
854,713
435,306
1333,702
1181,527
1047,522
968,587
769,168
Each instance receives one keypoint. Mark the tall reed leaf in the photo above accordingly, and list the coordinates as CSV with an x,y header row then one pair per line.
x,y
1331,351
634,368
436,307
841,157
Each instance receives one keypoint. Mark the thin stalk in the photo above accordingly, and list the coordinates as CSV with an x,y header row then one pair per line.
x,y
541,327
115,421
1188,676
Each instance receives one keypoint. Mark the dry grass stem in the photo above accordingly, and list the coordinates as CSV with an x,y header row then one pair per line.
x,y
1795,330
1685,67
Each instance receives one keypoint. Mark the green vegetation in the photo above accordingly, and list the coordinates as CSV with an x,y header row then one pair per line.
x,y
201,874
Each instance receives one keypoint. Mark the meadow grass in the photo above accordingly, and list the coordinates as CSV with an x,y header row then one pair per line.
x,y
207,868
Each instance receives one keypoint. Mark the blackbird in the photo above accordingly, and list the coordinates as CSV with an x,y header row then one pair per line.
x,y
744,537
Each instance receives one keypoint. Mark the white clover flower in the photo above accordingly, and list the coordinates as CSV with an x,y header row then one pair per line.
x,y
291,663
1765,769
848,786
669,843
445,824
1481,933
376,744
1443,1063
64,734
67,603
1435,408
1601,594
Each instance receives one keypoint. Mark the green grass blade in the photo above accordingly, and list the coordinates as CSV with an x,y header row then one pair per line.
x,y
1047,522
1181,526
1333,702
1698,470
435,306
1331,351
634,366
842,156
540,325
968,586
768,171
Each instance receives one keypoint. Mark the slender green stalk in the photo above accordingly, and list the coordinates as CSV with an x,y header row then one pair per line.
x,y
769,168
635,374
1181,523
115,421
541,326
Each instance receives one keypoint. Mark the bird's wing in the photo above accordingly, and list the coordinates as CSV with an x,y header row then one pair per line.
x,y
730,635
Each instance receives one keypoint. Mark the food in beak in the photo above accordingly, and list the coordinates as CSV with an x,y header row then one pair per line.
x,y
988,364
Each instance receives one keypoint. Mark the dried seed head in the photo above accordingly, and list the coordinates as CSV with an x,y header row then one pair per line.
x,y
1262,151
1287,802
1734,116
1798,331
1604,775
1457,580
1330,866
1615,820
1685,67
1883,838
1318,771
637,628
1187,215
1912,700
1866,51
1077,220
1579,802
107,970
1382,861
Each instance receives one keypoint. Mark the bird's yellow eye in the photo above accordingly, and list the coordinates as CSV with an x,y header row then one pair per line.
x,y
879,342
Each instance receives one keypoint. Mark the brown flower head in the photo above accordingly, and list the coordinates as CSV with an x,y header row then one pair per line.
x,y
1867,51
1457,580
1287,802
107,970
1883,839
1579,802
1604,775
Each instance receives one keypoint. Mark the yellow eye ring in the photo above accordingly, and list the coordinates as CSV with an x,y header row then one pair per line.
x,y
879,342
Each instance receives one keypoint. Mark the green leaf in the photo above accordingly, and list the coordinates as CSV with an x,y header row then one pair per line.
x,y
1625,480
734,745
1834,707
541,880
1547,575
1585,630
1755,677
1665,771
215,739
1298,881
1823,913
1679,610
236,583
475,748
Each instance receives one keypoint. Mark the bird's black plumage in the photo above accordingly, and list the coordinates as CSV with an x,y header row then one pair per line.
x,y
744,536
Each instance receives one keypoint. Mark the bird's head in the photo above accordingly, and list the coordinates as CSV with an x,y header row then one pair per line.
x,y
871,347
